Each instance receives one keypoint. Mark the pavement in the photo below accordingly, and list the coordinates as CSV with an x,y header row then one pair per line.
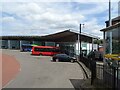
x,y
40,72
10,68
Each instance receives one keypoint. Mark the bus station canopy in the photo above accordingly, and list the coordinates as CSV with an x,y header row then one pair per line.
x,y
64,36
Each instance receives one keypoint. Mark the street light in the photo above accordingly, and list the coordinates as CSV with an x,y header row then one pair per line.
x,y
79,39
110,23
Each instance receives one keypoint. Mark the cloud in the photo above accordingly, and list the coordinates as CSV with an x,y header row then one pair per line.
x,y
82,1
93,28
43,18
8,19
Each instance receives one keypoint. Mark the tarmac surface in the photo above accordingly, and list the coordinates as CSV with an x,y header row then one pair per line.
x,y
10,67
40,72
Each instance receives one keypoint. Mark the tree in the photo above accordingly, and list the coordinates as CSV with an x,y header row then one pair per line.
x,y
99,42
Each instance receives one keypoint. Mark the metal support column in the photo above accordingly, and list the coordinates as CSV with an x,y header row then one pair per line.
x,y
9,44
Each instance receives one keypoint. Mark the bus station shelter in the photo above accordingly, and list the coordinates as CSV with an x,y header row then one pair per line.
x,y
67,40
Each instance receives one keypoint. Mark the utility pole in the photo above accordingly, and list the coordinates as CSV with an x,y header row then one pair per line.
x,y
79,40
110,23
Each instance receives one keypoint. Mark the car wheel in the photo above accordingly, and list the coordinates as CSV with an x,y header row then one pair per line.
x,y
57,60
72,61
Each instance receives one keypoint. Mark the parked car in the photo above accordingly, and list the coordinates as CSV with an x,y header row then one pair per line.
x,y
63,57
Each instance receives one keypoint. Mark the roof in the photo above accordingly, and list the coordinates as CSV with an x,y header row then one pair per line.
x,y
111,27
20,37
85,34
69,32
115,19
64,36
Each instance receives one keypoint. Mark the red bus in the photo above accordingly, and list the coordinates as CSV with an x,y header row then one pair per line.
x,y
45,50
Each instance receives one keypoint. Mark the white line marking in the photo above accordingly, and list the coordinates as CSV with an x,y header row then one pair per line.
x,y
11,79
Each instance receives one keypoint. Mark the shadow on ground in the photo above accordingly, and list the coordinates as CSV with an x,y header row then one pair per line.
x,y
85,84
80,84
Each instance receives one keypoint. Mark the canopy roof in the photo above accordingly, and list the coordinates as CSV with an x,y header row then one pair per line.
x,y
64,36
117,25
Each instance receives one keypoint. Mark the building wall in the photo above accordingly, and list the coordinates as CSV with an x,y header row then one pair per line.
x,y
49,43
38,43
16,44
71,48
25,42
67,47
4,44
86,47
112,43
13,44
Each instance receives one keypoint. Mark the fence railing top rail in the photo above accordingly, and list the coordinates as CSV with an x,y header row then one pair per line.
x,y
113,56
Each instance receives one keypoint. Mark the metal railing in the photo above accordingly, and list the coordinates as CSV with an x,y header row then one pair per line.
x,y
108,74
112,72
96,76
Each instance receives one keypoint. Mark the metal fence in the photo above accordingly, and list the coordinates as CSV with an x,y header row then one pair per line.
x,y
105,75
112,75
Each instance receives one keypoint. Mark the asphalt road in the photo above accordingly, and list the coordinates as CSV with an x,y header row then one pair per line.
x,y
40,72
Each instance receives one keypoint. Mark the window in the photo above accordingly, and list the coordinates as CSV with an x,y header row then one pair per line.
x,y
113,41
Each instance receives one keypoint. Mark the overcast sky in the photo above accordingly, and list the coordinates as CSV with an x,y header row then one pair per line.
x,y
41,18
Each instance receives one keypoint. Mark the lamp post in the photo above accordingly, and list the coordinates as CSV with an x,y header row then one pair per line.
x,y
110,23
79,40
